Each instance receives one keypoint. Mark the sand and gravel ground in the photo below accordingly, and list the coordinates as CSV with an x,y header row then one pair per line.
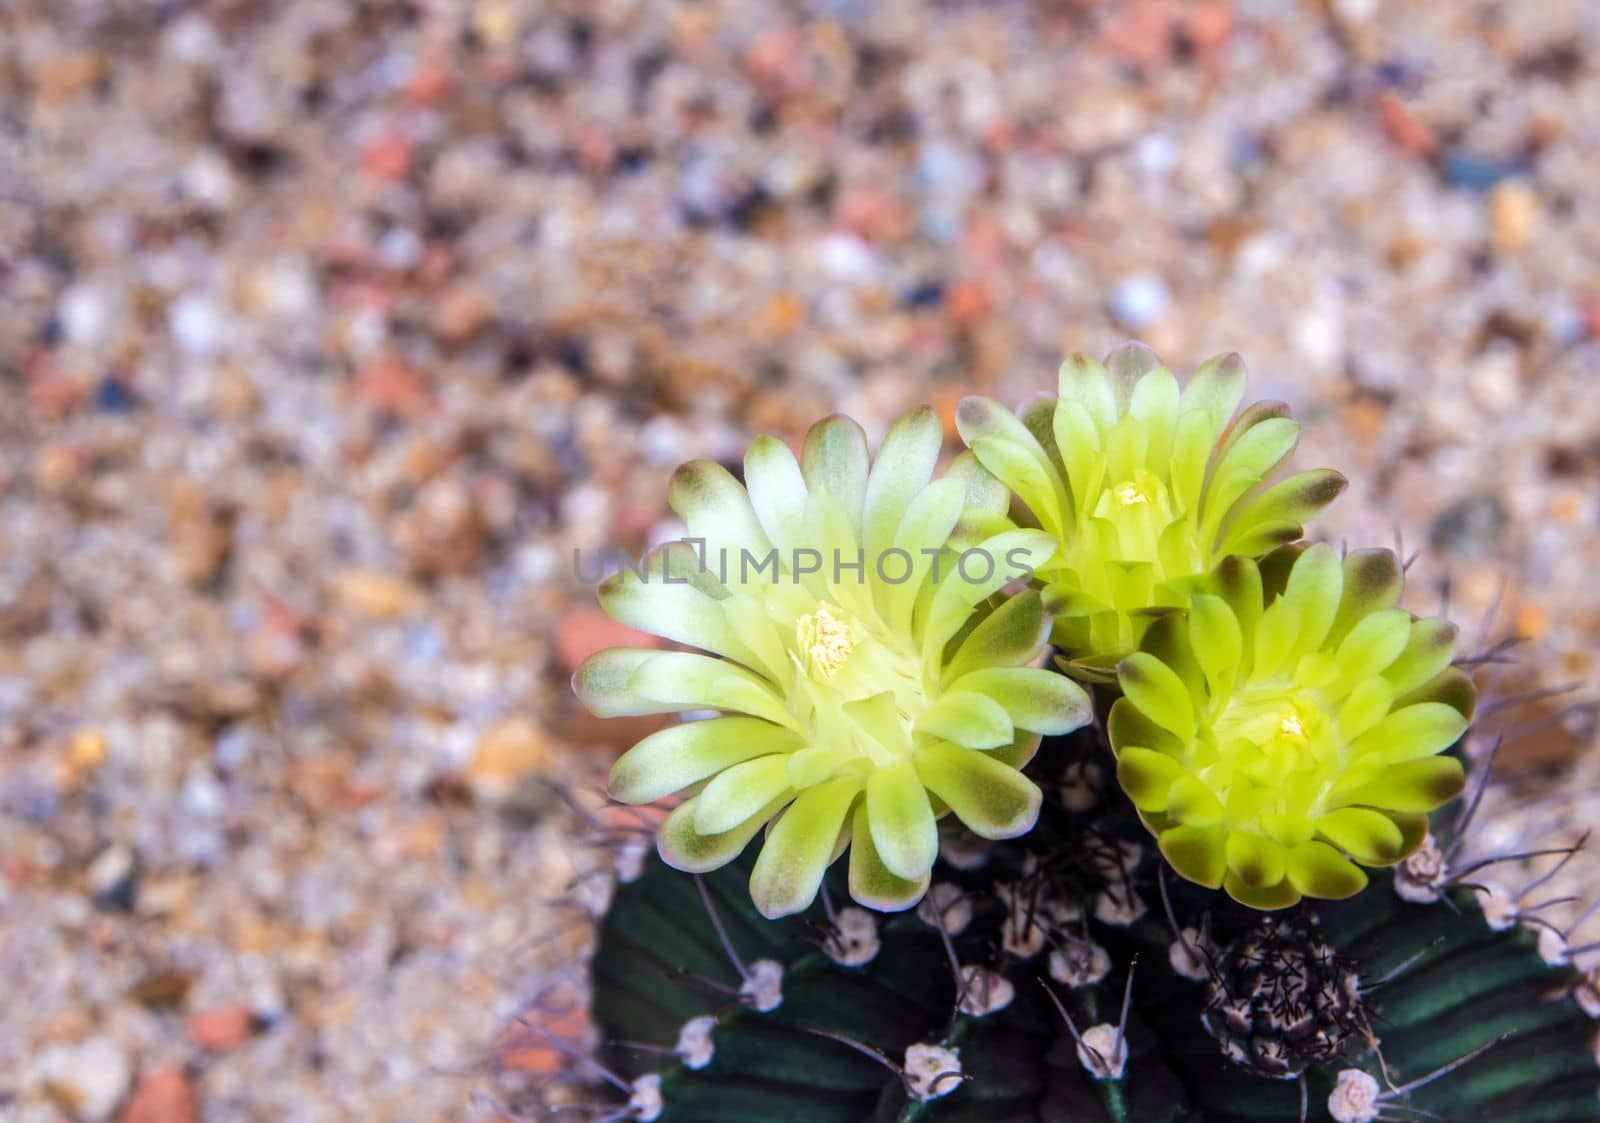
x,y
329,329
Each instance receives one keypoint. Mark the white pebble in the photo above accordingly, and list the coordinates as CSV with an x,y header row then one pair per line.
x,y
1140,300
84,313
208,179
93,1075
197,325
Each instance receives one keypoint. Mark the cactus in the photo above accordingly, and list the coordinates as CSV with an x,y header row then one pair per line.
x,y
1205,1011
1201,870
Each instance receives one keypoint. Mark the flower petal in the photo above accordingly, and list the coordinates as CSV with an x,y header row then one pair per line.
x,y
1147,776
1259,523
901,822
903,467
992,799
971,720
1279,896
1008,448
680,680
1315,585
1238,581
1216,389
1318,870
1158,692
927,525
983,492
681,755
663,605
1223,645
1258,863
1373,644
736,793
1154,403
1087,382
1128,725
871,883
1429,651
684,848
1414,786
1367,705
1015,555
1010,636
1370,837
799,847
777,491
1373,581
1415,731
1255,445
834,459
1190,801
1198,853
601,684
1037,700
717,508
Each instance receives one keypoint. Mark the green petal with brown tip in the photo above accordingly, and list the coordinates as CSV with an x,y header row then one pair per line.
x,y
1147,777
679,756
799,847
1257,862
1158,693
1368,836
990,798
1269,897
871,882
1318,870
1198,853
834,459
1414,786
684,848
900,819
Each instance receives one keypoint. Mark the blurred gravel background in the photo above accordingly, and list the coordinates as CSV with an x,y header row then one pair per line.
x,y
330,328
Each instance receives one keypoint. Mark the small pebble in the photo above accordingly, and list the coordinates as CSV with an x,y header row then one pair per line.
x,y
1514,212
1140,300
90,1077
162,1095
221,1028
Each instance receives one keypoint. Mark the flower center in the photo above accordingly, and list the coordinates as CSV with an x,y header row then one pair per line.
x,y
1291,726
825,642
1127,495
1269,737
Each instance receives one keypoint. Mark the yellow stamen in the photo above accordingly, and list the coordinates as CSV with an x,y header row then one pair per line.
x,y
826,642
1291,726
1127,495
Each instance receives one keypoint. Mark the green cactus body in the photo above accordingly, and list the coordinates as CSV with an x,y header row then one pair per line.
x,y
1080,893
1209,891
